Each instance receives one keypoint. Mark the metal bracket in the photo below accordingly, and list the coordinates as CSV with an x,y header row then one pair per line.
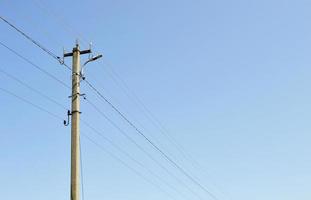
x,y
62,59
76,111
81,95
66,123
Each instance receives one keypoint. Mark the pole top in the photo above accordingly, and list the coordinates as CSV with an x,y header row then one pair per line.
x,y
77,48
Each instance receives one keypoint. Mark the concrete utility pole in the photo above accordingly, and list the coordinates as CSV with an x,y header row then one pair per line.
x,y
75,122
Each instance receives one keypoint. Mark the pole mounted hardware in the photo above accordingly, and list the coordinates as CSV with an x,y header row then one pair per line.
x,y
81,95
66,123
91,59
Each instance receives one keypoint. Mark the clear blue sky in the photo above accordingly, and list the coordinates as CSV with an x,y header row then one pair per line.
x,y
230,81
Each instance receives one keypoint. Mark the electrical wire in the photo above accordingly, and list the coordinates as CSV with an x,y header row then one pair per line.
x,y
62,106
128,166
143,150
173,163
35,42
129,114
100,146
54,115
155,121
122,115
152,118
38,67
32,89
132,158
30,103
35,65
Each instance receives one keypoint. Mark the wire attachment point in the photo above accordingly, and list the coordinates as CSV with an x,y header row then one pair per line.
x,y
61,60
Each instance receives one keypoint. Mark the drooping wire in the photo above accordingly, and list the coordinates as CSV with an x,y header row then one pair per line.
x,y
35,65
173,163
35,42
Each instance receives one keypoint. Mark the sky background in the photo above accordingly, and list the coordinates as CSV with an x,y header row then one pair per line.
x,y
229,81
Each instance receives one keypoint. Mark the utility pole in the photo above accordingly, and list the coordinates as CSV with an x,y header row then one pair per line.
x,y
75,121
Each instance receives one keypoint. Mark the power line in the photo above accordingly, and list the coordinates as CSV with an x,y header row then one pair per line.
x,y
150,142
60,105
129,114
122,115
140,148
30,103
131,157
35,65
38,67
101,147
128,166
35,42
154,120
51,100
48,98
156,123
32,89
55,102
143,150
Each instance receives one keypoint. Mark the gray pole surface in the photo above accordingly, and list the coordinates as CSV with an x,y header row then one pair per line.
x,y
75,121
75,126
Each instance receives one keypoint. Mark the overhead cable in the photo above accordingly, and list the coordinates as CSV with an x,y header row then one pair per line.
x,y
35,42
35,65
173,163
